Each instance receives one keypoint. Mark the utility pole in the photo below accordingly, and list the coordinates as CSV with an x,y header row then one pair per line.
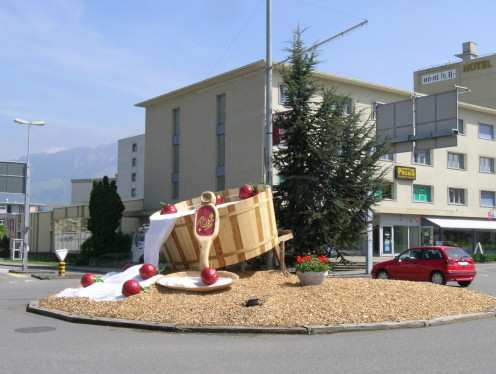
x,y
268,99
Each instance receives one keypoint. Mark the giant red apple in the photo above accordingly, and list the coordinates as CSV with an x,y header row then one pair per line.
x,y
168,209
209,276
131,287
147,271
88,279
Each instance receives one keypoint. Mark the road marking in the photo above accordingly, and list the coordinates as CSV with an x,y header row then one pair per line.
x,y
17,275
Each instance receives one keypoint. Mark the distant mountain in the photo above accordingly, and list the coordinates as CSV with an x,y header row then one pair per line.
x,y
51,173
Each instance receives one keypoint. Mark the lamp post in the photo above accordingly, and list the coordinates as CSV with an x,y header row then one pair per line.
x,y
26,196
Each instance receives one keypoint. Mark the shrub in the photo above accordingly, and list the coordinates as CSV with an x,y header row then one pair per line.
x,y
484,257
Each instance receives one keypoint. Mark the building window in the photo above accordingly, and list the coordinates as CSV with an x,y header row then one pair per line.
x,y
456,196
133,192
486,131
283,97
487,198
221,150
456,161
347,106
135,147
133,177
486,165
221,142
176,124
221,110
387,157
422,194
374,110
176,117
461,126
175,190
133,162
421,157
221,182
387,192
175,158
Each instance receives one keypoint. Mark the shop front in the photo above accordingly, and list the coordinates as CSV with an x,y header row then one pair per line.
x,y
464,233
399,232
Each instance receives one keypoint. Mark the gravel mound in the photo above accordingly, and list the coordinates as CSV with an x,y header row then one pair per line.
x,y
283,302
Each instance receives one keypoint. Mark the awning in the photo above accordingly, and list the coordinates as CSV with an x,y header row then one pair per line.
x,y
454,223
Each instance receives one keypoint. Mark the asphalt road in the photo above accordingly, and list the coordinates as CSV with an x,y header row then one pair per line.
x,y
30,343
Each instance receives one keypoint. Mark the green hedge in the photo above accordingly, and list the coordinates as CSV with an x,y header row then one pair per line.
x,y
479,257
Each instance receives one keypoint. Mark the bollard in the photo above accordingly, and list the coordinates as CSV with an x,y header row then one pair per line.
x,y
61,269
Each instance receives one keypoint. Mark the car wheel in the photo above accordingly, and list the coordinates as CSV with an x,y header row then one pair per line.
x,y
465,283
382,274
438,278
141,259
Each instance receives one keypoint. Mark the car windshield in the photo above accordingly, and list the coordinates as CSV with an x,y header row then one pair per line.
x,y
456,253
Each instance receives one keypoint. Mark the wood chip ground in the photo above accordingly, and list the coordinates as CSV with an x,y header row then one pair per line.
x,y
283,302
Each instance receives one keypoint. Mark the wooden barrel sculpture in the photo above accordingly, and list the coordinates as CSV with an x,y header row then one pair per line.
x,y
247,229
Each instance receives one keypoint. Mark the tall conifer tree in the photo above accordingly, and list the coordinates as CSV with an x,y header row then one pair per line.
x,y
328,172
106,210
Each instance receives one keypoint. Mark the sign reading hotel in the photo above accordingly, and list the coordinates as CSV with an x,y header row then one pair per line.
x,y
439,76
401,172
484,64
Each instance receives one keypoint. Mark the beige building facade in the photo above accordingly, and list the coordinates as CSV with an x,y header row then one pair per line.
x,y
210,136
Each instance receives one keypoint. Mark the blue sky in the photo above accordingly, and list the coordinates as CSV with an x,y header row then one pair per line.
x,y
80,66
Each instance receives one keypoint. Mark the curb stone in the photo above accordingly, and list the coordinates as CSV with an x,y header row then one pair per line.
x,y
34,307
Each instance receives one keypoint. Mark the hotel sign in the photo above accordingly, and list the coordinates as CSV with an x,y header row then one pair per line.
x,y
484,64
402,172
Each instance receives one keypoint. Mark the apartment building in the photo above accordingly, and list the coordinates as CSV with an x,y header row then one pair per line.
x,y
210,136
130,167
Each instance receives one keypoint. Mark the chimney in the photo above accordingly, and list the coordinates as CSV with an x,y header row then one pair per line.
x,y
469,51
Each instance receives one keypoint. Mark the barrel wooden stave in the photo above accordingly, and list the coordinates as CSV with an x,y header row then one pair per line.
x,y
247,229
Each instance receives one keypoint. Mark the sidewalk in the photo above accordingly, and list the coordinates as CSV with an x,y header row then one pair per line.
x,y
355,269
51,271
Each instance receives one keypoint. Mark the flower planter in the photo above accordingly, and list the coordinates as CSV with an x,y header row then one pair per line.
x,y
312,278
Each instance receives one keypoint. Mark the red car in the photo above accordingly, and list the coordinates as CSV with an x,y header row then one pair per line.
x,y
435,264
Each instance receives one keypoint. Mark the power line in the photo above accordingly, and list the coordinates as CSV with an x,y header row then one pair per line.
x,y
235,37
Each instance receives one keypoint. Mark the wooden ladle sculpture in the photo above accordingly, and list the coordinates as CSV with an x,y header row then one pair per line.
x,y
206,226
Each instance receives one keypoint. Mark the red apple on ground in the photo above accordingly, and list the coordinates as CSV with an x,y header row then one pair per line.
x,y
209,276
168,209
131,287
147,271
88,279
127,267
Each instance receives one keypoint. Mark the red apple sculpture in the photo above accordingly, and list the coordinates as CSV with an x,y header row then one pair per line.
x,y
168,209
209,276
88,279
131,287
147,271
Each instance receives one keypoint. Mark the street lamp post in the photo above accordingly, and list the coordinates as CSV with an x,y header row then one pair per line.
x,y
26,196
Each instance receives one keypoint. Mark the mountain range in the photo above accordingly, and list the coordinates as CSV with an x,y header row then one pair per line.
x,y
51,173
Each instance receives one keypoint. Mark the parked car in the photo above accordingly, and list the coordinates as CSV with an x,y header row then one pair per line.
x,y
435,264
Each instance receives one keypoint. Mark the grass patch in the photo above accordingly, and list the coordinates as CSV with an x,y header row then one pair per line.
x,y
51,263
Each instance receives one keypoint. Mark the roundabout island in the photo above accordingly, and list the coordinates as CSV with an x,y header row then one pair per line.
x,y
284,306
